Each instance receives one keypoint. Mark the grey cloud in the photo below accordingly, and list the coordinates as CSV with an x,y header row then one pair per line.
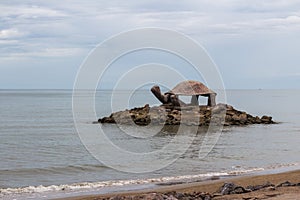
x,y
11,33
69,29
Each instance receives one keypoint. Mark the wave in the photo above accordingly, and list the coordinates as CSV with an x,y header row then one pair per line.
x,y
282,165
113,183
237,171
58,170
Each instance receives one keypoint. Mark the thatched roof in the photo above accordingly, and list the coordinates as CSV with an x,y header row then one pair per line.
x,y
189,88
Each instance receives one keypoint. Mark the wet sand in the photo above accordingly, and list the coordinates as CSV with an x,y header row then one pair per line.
x,y
212,186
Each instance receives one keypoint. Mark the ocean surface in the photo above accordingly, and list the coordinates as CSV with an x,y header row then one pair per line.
x,y
42,156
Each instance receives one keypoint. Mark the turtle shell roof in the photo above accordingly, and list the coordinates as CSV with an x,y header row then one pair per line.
x,y
189,88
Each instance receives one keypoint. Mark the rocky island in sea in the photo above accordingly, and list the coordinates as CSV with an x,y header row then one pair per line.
x,y
173,111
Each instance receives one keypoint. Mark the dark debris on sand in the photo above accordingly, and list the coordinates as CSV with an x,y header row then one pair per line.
x,y
226,189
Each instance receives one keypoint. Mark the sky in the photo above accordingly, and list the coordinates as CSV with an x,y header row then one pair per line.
x,y
254,43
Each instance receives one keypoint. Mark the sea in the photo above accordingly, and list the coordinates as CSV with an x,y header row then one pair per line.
x,y
42,155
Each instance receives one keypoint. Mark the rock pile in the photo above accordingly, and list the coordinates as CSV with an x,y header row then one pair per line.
x,y
167,114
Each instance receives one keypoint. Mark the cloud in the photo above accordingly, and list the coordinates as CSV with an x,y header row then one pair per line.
x,y
11,33
267,6
76,24
55,52
69,29
283,24
49,52
287,21
8,42
13,12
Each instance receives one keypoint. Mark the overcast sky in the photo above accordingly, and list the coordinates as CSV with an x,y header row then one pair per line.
x,y
255,43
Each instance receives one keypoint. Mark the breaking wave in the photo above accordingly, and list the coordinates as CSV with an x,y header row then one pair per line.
x,y
102,186
114,183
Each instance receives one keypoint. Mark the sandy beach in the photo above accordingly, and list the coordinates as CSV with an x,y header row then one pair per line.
x,y
212,187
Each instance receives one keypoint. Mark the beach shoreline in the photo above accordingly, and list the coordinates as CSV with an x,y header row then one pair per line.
x,y
212,186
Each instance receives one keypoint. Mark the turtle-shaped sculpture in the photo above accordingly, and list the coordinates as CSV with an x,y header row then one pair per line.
x,y
185,88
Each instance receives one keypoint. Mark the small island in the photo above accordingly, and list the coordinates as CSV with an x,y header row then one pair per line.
x,y
173,111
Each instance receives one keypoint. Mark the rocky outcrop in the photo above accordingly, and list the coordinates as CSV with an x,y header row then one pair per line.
x,y
167,114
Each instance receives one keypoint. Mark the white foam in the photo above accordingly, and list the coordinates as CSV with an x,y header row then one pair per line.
x,y
245,171
89,185
238,170
282,165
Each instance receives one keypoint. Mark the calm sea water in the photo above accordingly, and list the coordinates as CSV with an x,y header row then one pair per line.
x,y
42,155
